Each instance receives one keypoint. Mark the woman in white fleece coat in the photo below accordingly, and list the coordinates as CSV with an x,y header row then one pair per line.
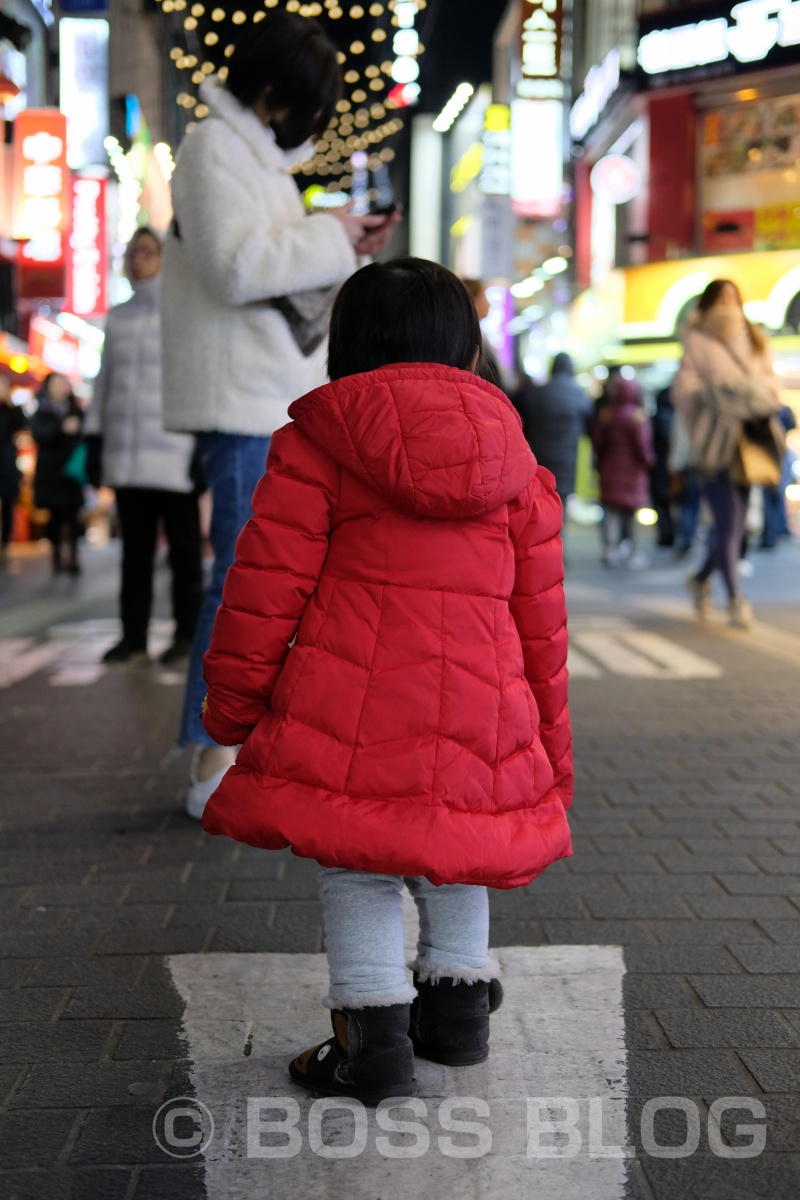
x,y
149,468
721,347
241,239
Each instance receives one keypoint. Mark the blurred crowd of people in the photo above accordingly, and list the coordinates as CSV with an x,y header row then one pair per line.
x,y
707,439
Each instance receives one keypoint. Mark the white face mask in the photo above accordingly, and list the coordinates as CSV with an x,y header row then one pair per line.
x,y
299,154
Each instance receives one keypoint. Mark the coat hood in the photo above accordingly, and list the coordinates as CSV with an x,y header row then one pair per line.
x,y
436,441
627,393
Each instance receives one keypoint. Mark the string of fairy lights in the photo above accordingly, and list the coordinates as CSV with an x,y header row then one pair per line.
x,y
377,49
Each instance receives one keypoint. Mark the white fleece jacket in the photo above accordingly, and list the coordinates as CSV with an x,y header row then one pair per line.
x,y
241,237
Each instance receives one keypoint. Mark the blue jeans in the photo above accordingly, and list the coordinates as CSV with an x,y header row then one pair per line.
x,y
233,466
364,935
728,504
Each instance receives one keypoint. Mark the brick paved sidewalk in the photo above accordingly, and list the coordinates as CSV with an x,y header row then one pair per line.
x,y
687,832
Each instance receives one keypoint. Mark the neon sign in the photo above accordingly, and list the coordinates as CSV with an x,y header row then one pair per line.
x,y
540,39
598,88
760,29
87,259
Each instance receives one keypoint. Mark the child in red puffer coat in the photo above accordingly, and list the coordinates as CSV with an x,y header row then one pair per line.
x,y
391,654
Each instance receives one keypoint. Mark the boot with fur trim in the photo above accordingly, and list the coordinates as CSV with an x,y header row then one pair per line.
x,y
450,1020
369,1057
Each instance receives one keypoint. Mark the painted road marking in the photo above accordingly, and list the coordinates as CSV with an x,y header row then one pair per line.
x,y
641,654
581,667
680,662
72,655
560,1033
613,644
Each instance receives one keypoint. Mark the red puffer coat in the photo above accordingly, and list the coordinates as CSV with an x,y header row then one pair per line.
x,y
418,725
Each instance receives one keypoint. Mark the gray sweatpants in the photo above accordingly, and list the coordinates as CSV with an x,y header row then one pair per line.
x,y
365,943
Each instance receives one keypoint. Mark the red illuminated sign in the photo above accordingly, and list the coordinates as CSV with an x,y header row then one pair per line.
x,y
41,200
87,250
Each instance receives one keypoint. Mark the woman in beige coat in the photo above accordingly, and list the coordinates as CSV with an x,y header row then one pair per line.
x,y
722,348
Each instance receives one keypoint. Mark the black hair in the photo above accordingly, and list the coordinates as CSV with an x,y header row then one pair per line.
x,y
405,310
291,58
43,394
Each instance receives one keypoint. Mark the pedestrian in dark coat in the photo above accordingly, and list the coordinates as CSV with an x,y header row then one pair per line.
x,y
623,443
56,427
12,421
555,416
660,478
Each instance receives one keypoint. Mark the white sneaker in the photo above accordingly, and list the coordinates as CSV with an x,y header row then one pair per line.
x,y
200,791
638,561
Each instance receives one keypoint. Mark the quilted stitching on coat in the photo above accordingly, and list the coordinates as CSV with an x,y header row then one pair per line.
x,y
419,724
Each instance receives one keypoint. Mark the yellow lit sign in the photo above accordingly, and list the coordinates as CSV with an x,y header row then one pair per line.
x,y
467,168
461,226
497,118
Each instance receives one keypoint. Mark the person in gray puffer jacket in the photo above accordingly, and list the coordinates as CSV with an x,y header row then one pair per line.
x,y
150,469
554,416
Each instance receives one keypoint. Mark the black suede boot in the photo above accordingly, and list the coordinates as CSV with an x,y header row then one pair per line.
x,y
369,1056
450,1020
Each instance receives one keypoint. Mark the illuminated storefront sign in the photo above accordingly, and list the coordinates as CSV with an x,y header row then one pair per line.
x,y
87,257
540,39
721,39
405,45
41,199
657,293
616,178
536,157
83,87
467,168
537,114
495,177
598,88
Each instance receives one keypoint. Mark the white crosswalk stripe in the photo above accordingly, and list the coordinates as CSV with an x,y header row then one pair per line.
x,y
72,655
635,654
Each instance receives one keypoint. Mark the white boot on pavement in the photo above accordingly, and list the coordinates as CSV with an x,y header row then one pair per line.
x,y
209,764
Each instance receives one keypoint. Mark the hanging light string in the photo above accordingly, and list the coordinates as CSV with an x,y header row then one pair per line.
x,y
364,117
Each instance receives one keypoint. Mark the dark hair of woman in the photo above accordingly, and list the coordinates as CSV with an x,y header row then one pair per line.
x,y
405,310
142,232
44,390
291,60
710,297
